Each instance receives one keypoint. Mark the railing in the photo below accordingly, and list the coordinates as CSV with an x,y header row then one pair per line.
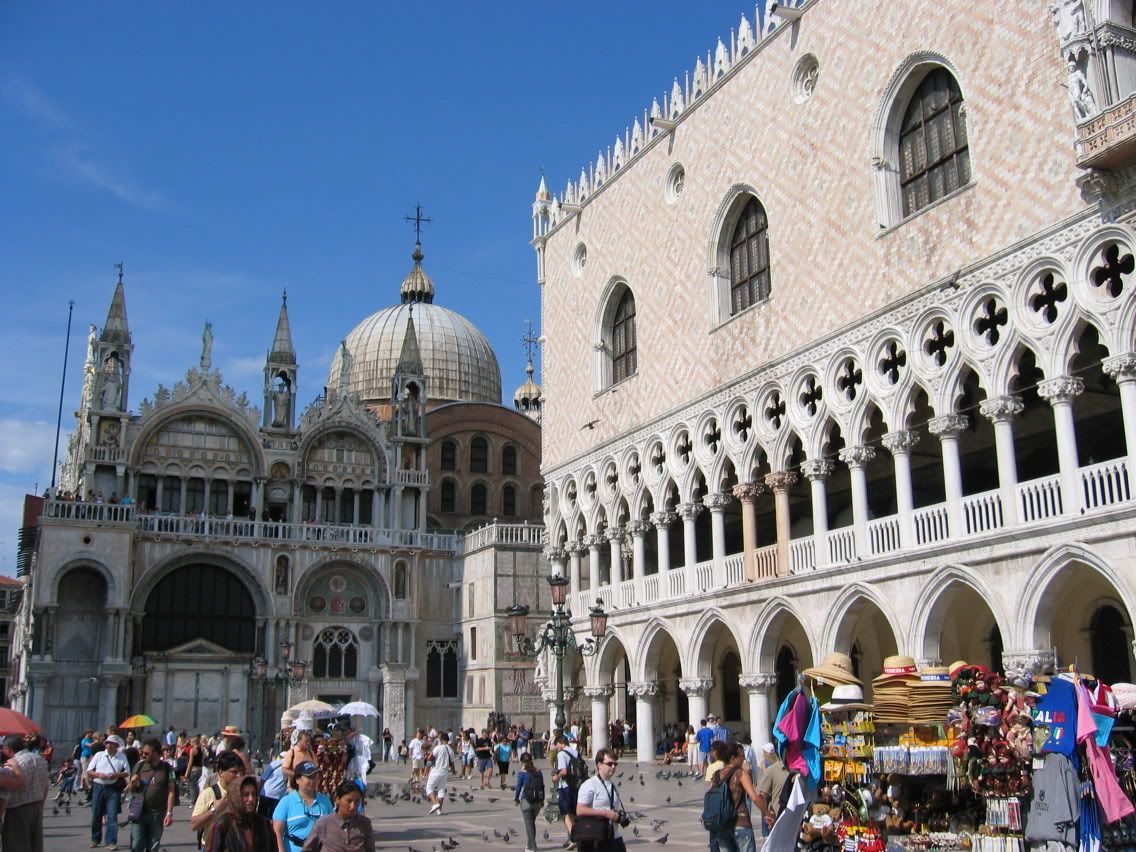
x,y
603,595
735,569
982,512
527,535
101,513
625,594
765,561
802,555
411,477
704,576
106,454
676,583
650,589
1105,484
1039,499
883,535
931,524
842,546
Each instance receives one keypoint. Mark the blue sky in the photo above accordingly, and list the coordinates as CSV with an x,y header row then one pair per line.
x,y
223,151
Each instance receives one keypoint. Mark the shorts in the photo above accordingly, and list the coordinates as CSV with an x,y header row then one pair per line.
x,y
566,801
467,760
436,783
417,763
484,763
503,768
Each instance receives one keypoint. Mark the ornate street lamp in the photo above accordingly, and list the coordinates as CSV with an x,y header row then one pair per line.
x,y
557,635
289,673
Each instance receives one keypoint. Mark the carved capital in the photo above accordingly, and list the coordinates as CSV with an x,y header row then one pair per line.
x,y
638,529
718,501
1026,664
1121,367
592,540
1001,408
1095,184
555,554
900,442
748,492
663,519
575,548
698,687
781,480
597,692
616,534
760,682
948,426
1061,389
817,469
643,689
857,456
549,695
689,511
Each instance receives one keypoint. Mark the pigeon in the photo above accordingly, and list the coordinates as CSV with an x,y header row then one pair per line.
x,y
631,798
635,830
641,783
680,783
668,800
484,837
662,841
492,800
497,834
546,835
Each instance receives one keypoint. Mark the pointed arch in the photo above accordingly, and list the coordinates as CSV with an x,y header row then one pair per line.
x,y
836,631
698,662
761,648
930,611
599,667
651,643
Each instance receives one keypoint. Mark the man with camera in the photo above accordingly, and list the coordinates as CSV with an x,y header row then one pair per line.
x,y
599,811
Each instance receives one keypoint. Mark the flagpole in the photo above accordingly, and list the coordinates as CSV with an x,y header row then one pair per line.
x,y
62,386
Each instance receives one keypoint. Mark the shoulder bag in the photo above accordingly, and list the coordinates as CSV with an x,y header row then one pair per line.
x,y
594,829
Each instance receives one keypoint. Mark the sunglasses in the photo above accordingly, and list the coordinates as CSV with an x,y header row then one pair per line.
x,y
610,763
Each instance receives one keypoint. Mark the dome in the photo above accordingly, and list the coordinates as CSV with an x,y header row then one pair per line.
x,y
527,398
457,360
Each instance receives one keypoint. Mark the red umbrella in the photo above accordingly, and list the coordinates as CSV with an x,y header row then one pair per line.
x,y
12,722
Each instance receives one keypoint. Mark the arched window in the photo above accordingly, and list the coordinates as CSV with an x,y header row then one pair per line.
x,y
934,159
449,455
509,501
441,669
478,499
749,258
335,653
509,460
623,345
479,455
400,580
449,495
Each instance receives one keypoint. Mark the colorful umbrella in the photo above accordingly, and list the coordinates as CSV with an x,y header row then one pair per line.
x,y
12,722
140,720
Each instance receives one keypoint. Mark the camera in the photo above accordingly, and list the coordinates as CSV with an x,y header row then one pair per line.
x,y
624,819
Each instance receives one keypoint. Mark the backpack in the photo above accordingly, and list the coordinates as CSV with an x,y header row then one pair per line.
x,y
217,794
719,810
534,789
577,770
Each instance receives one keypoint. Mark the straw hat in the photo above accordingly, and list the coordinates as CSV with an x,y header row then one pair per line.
x,y
835,669
956,667
231,731
845,698
898,667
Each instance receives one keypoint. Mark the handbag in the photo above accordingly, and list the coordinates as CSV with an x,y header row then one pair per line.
x,y
134,809
590,829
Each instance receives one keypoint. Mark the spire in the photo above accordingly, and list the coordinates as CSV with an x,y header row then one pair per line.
x,y
282,351
116,329
417,286
542,193
410,360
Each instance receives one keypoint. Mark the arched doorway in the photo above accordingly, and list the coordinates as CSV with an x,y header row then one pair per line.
x,y
718,658
865,634
78,644
961,626
662,703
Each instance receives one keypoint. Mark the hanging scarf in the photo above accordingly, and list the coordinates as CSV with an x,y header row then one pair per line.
x,y
1113,803
797,732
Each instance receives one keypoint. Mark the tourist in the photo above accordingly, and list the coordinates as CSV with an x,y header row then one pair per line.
x,y
212,802
439,774
417,756
388,745
529,794
297,754
171,737
233,741
565,789
274,787
195,757
770,789
483,752
23,804
693,751
503,752
107,772
721,732
130,750
242,828
85,753
705,736
345,830
296,814
599,797
719,754
154,780
740,837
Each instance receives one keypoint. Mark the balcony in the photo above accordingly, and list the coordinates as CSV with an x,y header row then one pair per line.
x,y
1104,486
509,535
111,455
100,514
1108,140
411,477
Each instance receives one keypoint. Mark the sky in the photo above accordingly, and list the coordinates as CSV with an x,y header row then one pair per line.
x,y
225,151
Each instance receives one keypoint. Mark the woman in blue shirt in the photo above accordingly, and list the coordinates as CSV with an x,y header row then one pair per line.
x,y
297,813
530,796
504,753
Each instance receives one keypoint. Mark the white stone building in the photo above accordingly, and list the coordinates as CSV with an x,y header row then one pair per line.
x,y
859,299
254,540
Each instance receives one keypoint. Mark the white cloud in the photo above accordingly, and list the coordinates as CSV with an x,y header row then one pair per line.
x,y
86,168
25,446
243,367
11,519
36,104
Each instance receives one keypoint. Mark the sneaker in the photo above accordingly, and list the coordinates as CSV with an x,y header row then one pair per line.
x,y
112,846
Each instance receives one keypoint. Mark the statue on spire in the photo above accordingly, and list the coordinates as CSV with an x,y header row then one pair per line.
x,y
344,367
207,346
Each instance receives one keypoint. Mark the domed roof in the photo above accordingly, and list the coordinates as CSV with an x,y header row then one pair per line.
x,y
527,395
457,359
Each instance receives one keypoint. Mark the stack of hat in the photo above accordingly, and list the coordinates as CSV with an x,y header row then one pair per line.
x,y
846,698
835,670
891,690
930,697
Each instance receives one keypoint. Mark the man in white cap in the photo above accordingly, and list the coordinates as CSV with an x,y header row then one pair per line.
x,y
107,771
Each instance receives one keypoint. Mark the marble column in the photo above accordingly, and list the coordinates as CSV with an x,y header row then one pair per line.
x,y
857,459
779,483
689,514
575,550
900,444
1059,392
1122,368
747,493
108,697
947,429
645,693
616,536
717,504
599,696
1001,411
697,692
662,522
817,472
593,542
394,701
355,506
758,685
639,530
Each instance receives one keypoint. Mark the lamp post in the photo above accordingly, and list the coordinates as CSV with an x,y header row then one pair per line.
x,y
288,673
557,636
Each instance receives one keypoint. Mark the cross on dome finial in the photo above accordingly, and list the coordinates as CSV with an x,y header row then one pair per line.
x,y
418,219
118,266
284,297
529,340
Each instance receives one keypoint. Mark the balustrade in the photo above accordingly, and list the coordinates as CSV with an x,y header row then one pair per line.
x,y
931,524
883,535
842,546
1039,499
1105,484
983,512
802,555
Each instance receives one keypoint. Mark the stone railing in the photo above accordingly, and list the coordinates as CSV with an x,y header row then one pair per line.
x,y
411,477
95,513
1108,140
513,535
106,454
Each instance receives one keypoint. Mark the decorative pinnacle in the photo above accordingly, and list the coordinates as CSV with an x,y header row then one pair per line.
x,y
529,340
118,266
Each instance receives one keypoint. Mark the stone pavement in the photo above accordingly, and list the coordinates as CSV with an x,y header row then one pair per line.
x,y
478,824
